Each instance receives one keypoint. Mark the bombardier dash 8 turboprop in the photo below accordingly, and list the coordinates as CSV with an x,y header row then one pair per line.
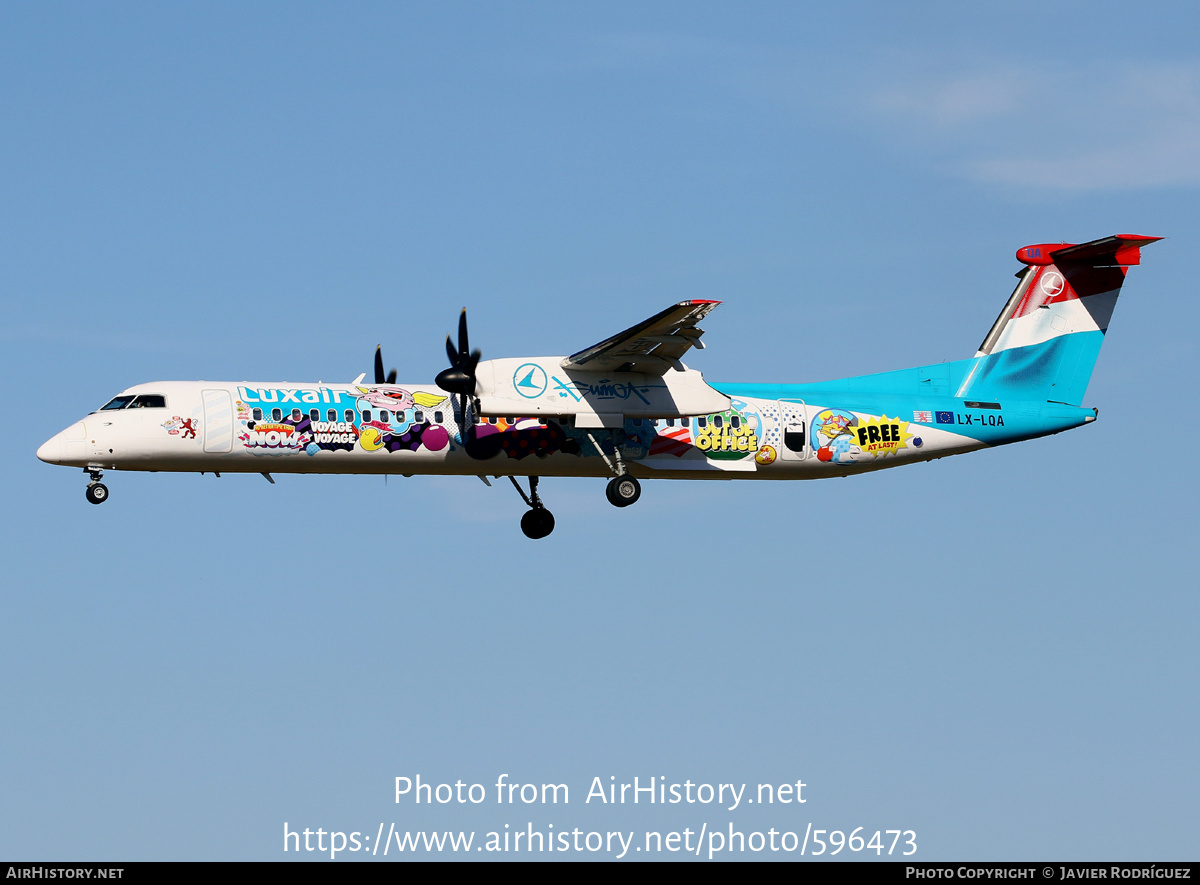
x,y
628,408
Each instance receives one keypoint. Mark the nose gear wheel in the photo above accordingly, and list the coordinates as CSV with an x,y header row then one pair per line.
x,y
537,521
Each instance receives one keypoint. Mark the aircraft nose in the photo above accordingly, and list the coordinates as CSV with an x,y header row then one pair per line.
x,y
51,451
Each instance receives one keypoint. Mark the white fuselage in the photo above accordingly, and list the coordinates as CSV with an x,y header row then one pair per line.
x,y
286,427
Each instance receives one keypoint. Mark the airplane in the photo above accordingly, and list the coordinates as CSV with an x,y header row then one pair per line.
x,y
629,409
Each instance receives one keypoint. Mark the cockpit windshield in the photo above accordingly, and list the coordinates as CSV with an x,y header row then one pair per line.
x,y
118,402
149,401
131,401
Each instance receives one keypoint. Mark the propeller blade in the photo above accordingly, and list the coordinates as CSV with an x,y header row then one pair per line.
x,y
464,347
379,364
451,352
391,378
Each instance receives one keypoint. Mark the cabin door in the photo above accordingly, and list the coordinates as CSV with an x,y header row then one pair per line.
x,y
793,425
218,421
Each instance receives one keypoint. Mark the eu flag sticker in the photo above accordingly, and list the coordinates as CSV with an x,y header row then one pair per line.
x,y
944,417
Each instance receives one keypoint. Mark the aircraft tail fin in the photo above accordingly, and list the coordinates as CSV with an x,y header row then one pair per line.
x,y
1045,342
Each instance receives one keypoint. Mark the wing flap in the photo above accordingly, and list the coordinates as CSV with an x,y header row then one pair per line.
x,y
651,347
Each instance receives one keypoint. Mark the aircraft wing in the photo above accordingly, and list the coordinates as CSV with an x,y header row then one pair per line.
x,y
651,347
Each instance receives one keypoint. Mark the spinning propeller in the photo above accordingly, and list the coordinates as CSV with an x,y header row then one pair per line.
x,y
460,377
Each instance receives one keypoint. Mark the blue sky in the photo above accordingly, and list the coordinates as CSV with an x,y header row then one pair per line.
x,y
996,651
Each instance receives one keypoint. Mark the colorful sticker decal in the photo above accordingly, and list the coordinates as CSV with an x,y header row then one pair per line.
x,y
730,435
639,438
923,417
522,437
345,430
398,434
274,438
765,455
882,436
376,435
332,436
843,437
675,441
184,428
396,399
833,436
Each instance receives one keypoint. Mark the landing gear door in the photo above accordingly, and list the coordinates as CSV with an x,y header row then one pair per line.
x,y
794,424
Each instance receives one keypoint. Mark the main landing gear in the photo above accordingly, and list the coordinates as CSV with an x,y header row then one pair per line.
x,y
537,521
96,492
623,489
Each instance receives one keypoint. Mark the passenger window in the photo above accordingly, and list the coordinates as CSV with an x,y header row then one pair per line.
x,y
401,416
349,414
256,414
366,414
437,417
419,417
685,422
331,415
702,421
314,415
735,422
297,414
384,416
718,420
670,422
276,415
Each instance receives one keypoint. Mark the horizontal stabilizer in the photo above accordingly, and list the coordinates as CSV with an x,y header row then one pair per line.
x,y
1121,250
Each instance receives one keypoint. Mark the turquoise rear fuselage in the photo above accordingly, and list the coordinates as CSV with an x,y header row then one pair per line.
x,y
1037,389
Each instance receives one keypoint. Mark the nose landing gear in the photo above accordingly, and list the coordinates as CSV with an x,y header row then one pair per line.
x,y
96,492
537,521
